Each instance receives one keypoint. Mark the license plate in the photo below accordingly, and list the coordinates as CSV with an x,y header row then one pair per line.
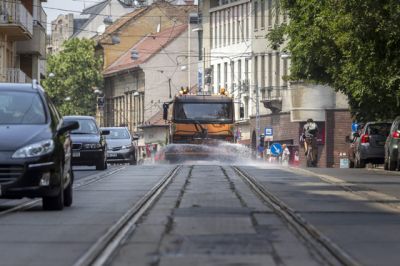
x,y
111,155
76,154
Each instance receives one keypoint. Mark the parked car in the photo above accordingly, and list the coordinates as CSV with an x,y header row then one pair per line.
x,y
35,147
369,146
392,160
120,146
88,143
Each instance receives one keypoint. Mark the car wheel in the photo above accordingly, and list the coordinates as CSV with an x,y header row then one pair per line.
x,y
385,164
101,164
68,191
54,203
351,164
132,160
359,163
391,164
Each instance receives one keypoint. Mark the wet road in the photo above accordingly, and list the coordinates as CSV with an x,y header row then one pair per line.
x,y
208,215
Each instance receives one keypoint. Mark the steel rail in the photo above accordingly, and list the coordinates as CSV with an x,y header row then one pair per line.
x,y
328,250
85,181
103,249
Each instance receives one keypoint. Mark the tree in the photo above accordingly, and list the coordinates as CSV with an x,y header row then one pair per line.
x,y
350,45
77,72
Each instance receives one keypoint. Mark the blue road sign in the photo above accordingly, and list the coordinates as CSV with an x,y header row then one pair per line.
x,y
276,149
354,127
268,131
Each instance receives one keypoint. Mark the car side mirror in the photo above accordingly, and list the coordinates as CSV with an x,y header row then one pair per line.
x,y
68,126
165,111
105,132
135,137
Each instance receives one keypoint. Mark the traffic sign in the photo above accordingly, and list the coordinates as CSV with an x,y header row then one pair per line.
x,y
268,131
354,127
276,149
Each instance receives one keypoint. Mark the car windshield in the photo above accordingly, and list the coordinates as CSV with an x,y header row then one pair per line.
x,y
379,129
86,126
203,112
21,108
118,133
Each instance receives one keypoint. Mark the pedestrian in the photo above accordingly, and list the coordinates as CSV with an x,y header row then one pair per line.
x,y
285,155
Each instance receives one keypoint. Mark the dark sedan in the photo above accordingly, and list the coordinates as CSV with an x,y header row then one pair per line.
x,y
88,143
35,147
120,147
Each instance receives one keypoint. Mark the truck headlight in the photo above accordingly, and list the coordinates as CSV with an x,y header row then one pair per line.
x,y
35,149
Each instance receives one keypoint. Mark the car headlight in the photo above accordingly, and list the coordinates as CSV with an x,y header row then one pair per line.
x,y
35,149
126,146
92,146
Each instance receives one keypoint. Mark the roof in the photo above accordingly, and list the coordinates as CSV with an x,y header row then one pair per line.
x,y
179,13
203,98
92,11
121,22
155,121
147,47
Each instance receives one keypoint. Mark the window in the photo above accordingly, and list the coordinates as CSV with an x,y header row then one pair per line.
x,y
263,71
229,27
235,24
212,37
256,72
219,76
203,112
224,27
269,6
225,75
262,3
247,21
232,76
255,15
241,23
21,108
269,70
277,70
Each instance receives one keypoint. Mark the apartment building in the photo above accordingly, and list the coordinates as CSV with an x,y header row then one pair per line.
x,y
22,40
239,58
62,28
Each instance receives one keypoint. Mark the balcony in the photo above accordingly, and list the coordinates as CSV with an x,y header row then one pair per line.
x,y
34,46
16,22
273,98
39,17
16,75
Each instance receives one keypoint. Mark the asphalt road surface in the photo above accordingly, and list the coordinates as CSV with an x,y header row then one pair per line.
x,y
211,214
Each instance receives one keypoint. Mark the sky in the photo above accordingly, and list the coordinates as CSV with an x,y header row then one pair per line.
x,y
52,7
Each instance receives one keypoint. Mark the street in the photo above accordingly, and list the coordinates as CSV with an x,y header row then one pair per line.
x,y
210,215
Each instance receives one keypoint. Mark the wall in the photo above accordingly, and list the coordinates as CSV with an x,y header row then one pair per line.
x,y
339,126
161,67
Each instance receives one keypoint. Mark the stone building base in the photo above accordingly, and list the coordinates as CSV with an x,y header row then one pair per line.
x,y
331,142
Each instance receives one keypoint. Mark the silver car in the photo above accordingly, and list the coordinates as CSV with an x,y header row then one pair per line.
x,y
120,146
369,146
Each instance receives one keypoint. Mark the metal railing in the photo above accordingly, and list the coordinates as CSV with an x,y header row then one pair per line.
x,y
40,16
274,92
16,75
16,13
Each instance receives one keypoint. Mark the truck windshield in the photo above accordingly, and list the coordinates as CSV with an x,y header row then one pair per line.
x,y
204,112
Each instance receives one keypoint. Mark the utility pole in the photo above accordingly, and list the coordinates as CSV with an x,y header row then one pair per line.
x,y
257,114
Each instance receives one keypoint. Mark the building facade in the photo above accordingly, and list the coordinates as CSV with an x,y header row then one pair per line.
x,y
239,57
22,40
62,28
136,88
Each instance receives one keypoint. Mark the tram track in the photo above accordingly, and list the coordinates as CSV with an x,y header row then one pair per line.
x,y
104,248
321,244
83,182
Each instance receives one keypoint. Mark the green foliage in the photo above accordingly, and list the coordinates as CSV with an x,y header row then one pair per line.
x,y
351,45
76,72
277,36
